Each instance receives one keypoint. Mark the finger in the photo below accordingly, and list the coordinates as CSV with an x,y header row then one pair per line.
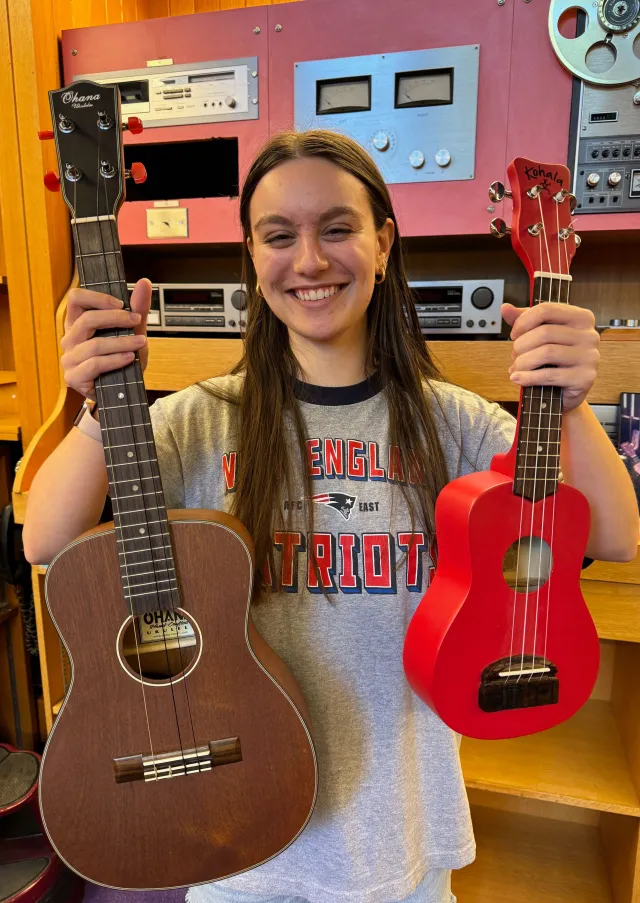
x,y
554,334
91,320
555,355
141,298
97,347
547,312
80,299
86,372
577,378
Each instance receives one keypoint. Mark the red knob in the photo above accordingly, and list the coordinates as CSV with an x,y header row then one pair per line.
x,y
134,124
138,173
52,181
45,134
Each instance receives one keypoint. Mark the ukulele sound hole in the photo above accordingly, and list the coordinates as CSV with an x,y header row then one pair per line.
x,y
159,645
527,565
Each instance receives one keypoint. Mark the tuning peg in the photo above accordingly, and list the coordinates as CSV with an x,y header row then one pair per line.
x,y
52,181
497,192
134,125
45,134
137,172
499,228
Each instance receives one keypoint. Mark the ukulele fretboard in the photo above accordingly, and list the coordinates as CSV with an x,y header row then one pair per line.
x,y
140,518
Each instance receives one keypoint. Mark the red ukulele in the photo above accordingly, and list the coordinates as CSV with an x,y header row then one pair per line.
x,y
502,643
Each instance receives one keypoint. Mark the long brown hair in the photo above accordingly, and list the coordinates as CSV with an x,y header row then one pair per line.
x,y
396,350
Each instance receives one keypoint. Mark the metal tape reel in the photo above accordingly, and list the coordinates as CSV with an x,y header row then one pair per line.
x,y
612,24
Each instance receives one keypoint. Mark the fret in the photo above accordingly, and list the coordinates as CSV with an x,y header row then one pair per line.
x,y
118,407
136,564
130,444
136,495
149,593
127,433
145,573
151,583
154,476
95,254
143,523
137,510
131,463
145,539
127,426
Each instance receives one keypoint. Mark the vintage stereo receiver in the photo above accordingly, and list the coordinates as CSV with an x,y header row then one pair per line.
x,y
179,308
217,91
463,307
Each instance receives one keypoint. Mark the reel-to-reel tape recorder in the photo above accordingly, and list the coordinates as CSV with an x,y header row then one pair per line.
x,y
599,43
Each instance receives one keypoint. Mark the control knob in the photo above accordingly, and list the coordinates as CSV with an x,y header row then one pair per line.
x,y
416,159
381,141
482,298
230,101
239,299
592,179
443,157
614,178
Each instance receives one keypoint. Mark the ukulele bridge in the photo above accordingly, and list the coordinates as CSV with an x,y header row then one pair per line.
x,y
177,763
518,683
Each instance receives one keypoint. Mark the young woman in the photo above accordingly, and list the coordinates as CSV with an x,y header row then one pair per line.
x,y
330,442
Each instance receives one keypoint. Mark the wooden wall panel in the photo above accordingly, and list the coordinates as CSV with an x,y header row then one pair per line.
x,y
84,13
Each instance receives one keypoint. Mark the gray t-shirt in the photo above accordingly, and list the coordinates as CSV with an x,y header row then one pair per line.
x,y
391,802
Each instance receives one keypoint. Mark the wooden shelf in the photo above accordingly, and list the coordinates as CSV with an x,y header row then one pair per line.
x,y
523,858
580,763
615,609
483,366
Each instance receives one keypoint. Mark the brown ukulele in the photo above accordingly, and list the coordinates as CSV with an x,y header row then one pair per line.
x,y
182,752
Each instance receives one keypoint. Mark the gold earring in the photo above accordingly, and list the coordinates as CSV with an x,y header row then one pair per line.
x,y
259,290
380,277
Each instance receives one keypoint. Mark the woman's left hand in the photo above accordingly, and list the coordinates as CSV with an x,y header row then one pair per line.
x,y
557,334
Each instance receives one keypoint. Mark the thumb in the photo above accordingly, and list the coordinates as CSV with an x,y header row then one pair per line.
x,y
510,313
141,302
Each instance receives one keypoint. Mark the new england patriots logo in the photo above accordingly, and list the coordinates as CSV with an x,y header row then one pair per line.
x,y
338,500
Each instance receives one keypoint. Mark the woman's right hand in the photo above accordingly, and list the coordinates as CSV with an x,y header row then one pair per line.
x,y
86,356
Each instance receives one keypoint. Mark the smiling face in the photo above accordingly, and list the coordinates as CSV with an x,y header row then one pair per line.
x,y
316,250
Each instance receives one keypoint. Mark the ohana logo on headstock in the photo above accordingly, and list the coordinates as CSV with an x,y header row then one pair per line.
x,y
77,101
538,173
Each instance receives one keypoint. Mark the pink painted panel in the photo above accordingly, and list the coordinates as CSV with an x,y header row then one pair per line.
x,y
218,35
211,221
318,29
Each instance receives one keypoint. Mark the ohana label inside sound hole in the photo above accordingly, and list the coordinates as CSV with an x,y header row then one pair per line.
x,y
159,646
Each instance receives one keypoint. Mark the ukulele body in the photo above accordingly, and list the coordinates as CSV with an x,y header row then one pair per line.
x,y
190,828
466,620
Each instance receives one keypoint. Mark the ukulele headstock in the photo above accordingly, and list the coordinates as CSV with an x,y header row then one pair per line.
x,y
542,231
88,136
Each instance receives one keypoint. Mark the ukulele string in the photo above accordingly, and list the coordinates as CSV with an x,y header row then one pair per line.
x,y
543,405
535,470
141,402
557,433
100,399
516,589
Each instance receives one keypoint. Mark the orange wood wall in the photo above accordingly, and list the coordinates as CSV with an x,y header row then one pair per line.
x,y
82,13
